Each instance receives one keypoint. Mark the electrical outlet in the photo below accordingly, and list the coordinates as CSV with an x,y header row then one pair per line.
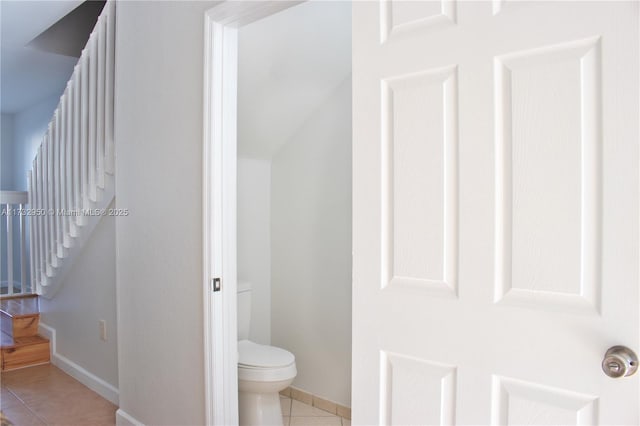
x,y
103,329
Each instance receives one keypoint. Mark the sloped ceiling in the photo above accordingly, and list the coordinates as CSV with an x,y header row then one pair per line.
x,y
27,75
289,64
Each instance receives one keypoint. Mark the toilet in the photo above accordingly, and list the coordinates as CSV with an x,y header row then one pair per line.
x,y
263,371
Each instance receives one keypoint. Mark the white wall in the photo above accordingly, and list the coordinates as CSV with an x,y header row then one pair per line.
x,y
88,295
311,249
288,63
254,241
6,183
6,152
159,96
30,125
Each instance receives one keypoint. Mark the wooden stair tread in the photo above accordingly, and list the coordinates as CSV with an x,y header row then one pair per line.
x,y
20,307
20,352
21,346
9,343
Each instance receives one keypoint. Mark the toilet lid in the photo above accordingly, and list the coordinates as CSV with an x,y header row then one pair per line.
x,y
262,356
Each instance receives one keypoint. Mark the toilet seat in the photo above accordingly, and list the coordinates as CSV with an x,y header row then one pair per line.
x,y
267,374
263,363
252,354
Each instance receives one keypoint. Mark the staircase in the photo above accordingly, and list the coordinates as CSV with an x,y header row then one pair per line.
x,y
21,345
71,183
71,186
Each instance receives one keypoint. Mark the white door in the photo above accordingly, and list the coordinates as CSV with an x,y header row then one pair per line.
x,y
495,211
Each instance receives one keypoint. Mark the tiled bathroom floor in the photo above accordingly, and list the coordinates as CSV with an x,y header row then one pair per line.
x,y
296,413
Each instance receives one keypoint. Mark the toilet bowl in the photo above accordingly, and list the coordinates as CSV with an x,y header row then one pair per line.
x,y
263,371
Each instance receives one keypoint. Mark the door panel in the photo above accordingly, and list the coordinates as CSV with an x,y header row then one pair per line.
x,y
495,211
548,147
404,378
421,241
522,403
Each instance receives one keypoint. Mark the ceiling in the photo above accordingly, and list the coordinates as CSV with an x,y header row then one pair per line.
x,y
289,63
28,75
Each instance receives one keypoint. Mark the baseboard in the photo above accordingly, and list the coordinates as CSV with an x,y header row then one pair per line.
x,y
124,419
318,402
90,380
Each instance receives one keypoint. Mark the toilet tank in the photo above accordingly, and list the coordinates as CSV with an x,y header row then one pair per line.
x,y
244,310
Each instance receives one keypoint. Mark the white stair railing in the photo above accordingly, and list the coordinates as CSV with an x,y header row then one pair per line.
x,y
14,279
71,181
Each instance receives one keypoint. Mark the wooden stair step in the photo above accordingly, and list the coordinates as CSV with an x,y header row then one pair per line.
x,y
22,352
19,316
16,307
9,342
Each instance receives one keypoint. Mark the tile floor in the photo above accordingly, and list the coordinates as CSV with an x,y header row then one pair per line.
x,y
45,395
296,413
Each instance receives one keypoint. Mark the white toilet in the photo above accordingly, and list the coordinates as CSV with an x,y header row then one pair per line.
x,y
263,371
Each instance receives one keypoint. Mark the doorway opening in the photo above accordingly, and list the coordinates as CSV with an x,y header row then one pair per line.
x,y
277,195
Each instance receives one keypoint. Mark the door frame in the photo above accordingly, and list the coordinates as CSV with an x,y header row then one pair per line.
x,y
219,187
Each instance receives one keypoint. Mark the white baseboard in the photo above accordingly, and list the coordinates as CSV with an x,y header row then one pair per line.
x,y
124,419
90,380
